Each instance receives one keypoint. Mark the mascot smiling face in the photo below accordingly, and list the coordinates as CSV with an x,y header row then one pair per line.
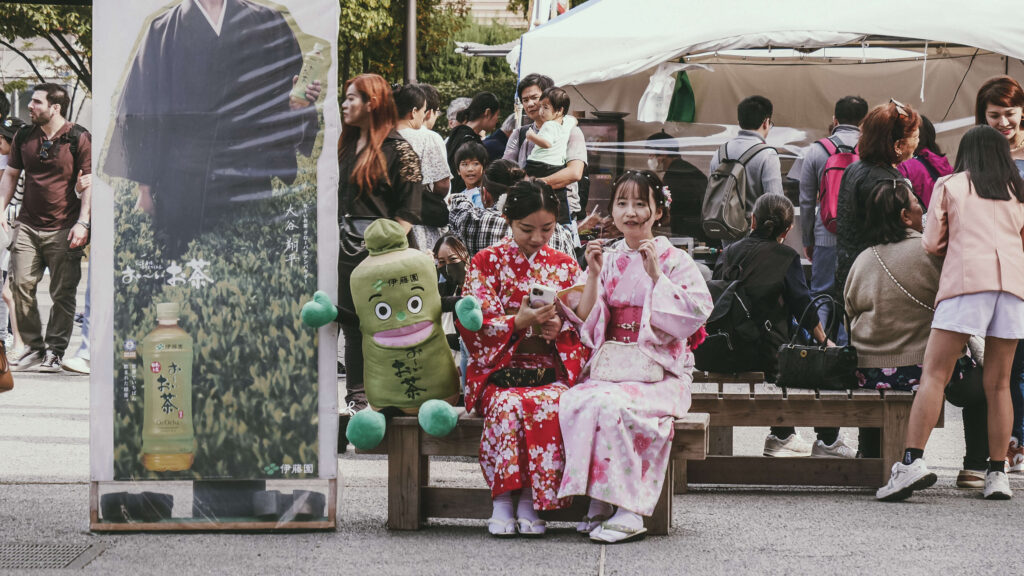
x,y
406,356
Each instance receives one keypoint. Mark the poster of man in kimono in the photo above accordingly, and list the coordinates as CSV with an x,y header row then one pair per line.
x,y
218,121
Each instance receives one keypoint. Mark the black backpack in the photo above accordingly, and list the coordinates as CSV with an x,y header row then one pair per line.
x,y
739,338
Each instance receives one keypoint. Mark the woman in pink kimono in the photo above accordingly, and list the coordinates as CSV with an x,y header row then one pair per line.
x,y
642,305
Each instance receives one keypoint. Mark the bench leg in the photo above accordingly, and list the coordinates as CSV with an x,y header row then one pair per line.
x,y
660,522
720,440
407,474
896,416
680,485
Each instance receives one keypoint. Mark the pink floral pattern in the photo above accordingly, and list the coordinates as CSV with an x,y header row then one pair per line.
x,y
522,440
618,435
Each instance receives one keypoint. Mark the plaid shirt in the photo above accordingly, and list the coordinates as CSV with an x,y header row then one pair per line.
x,y
482,227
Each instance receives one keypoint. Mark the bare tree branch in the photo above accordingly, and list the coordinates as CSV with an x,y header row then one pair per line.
x,y
26,58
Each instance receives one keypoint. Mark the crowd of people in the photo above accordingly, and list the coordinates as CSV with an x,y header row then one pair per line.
x,y
578,396
45,192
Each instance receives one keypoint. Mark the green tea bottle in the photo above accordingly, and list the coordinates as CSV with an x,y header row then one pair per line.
x,y
314,67
168,437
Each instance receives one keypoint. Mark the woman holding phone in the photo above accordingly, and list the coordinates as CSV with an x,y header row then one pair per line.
x,y
521,361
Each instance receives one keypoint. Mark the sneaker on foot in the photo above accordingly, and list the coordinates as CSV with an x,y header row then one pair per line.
x,y
838,449
1015,456
52,363
970,479
76,364
997,486
355,402
792,447
905,479
26,360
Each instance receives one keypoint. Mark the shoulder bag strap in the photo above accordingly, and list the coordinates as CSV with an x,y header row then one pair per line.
x,y
898,285
753,151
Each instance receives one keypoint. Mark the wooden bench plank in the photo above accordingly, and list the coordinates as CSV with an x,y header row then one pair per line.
x,y
802,412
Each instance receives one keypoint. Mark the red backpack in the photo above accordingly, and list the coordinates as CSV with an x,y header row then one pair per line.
x,y
839,157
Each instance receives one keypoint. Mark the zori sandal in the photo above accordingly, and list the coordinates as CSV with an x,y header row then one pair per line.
x,y
531,529
501,528
617,534
590,523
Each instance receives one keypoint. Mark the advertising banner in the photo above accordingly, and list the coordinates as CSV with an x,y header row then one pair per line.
x,y
218,124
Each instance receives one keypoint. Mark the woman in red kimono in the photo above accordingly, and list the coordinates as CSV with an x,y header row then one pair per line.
x,y
521,361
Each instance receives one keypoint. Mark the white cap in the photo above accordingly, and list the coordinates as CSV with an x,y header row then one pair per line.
x,y
168,311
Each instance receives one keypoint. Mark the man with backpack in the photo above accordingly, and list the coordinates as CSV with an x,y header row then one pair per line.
x,y
742,170
53,226
822,171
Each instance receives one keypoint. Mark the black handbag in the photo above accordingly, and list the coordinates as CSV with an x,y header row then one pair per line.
x,y
817,367
433,211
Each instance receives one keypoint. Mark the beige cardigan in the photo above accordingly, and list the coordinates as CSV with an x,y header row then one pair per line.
x,y
887,327
982,240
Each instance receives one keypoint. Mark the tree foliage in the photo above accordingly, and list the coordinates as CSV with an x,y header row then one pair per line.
x,y
68,30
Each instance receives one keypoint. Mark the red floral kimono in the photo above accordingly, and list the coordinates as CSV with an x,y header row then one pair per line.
x,y
522,440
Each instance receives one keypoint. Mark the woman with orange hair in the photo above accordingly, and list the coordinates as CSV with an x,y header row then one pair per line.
x,y
889,135
379,178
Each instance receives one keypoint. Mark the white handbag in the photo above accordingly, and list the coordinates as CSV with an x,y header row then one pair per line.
x,y
624,362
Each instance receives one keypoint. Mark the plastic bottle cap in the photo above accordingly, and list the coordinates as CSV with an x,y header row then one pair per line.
x,y
168,311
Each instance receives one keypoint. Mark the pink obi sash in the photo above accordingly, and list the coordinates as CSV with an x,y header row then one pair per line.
x,y
624,325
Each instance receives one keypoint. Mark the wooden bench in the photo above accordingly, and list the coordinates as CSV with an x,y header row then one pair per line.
x,y
412,500
746,400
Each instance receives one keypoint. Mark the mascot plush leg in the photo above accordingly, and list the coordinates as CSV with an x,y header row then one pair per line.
x,y
366,429
437,417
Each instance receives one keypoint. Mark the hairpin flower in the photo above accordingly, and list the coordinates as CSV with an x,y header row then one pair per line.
x,y
668,196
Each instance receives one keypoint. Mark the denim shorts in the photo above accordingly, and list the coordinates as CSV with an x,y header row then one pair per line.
x,y
997,314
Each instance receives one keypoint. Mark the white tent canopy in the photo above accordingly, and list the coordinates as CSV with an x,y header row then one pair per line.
x,y
605,39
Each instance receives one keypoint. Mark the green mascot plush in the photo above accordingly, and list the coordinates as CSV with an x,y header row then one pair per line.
x,y
407,365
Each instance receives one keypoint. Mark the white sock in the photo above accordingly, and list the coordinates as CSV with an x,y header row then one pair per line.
x,y
599,508
503,507
525,508
626,518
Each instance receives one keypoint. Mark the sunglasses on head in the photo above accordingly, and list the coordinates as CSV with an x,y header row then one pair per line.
x,y
900,108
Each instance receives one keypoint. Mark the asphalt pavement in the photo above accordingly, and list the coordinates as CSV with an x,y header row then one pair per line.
x,y
44,504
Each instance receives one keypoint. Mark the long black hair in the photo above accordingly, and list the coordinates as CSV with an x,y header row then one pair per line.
x,y
774,214
480,104
528,196
883,209
985,155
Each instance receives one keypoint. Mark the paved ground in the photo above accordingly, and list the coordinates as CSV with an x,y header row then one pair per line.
x,y
719,530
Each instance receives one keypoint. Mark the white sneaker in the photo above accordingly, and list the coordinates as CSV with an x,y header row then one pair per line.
x,y
837,450
76,364
905,479
792,447
997,486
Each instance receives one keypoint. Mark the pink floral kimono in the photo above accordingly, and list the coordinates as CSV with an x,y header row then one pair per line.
x,y
618,435
522,441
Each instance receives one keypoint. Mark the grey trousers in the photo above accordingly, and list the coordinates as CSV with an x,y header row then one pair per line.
x,y
33,252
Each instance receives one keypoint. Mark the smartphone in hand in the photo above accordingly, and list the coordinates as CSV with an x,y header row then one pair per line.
x,y
541,296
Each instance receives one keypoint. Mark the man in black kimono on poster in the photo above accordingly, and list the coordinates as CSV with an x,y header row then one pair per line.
x,y
205,121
